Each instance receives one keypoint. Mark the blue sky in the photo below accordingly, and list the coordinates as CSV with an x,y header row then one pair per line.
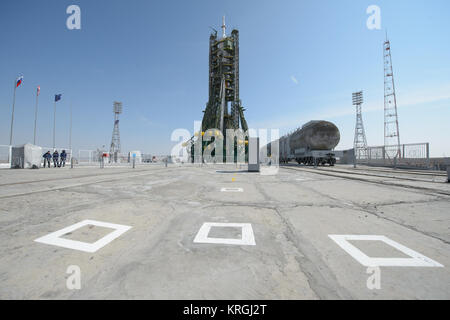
x,y
300,61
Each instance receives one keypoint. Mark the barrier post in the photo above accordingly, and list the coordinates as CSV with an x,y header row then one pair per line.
x,y
253,154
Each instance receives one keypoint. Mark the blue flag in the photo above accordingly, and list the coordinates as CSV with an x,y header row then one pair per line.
x,y
58,97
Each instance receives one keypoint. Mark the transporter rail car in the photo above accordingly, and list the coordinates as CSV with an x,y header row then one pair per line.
x,y
312,144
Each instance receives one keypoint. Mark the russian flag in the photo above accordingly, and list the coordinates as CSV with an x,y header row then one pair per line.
x,y
19,81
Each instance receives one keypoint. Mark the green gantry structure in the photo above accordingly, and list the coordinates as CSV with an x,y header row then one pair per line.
x,y
224,108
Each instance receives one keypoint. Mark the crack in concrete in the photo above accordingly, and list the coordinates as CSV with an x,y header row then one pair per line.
x,y
366,209
321,281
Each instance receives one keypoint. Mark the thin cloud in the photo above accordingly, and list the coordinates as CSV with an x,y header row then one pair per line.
x,y
149,122
403,101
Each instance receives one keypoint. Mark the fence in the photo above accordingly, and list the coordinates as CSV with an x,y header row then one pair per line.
x,y
91,157
94,157
406,155
87,157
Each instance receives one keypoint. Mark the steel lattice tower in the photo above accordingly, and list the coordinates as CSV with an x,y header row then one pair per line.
x,y
115,142
360,142
391,131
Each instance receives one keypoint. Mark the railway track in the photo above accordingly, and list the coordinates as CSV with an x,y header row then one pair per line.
x,y
402,171
381,176
365,178
392,176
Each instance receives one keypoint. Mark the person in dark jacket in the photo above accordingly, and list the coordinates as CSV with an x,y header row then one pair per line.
x,y
55,158
47,156
62,157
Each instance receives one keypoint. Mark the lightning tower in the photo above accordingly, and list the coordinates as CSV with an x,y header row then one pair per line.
x,y
391,131
115,142
360,142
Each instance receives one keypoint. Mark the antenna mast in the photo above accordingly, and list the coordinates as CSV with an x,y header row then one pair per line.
x,y
391,130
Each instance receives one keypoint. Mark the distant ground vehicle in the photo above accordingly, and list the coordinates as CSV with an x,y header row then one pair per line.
x,y
312,144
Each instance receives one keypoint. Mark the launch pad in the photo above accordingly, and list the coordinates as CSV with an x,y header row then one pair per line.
x,y
264,237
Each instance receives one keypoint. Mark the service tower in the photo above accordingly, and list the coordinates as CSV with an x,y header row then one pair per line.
x,y
224,110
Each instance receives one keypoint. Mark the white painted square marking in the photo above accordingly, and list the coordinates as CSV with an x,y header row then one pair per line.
x,y
416,260
248,239
231,190
54,238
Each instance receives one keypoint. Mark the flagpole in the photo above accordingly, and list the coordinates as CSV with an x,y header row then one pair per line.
x,y
12,115
70,132
35,116
54,124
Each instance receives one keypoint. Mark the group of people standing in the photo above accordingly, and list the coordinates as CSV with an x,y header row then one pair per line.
x,y
59,160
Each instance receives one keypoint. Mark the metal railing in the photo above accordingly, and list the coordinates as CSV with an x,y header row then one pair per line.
x,y
94,157
408,155
91,158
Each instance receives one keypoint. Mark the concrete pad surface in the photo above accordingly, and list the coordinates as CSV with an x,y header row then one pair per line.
x,y
291,215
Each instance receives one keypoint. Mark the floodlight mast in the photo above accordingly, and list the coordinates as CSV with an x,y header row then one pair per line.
x,y
360,142
114,150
